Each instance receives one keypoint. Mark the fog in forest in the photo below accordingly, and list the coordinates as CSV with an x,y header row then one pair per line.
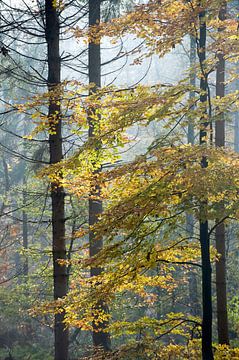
x,y
119,173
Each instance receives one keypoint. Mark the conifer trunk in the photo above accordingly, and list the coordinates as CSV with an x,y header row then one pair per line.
x,y
100,338
57,192
222,318
207,353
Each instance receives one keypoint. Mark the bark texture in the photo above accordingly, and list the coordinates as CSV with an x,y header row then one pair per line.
x,y
57,192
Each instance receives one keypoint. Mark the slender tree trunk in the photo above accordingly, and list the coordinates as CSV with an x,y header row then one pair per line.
x,y
193,291
222,318
25,231
207,353
24,213
195,306
236,128
100,338
191,134
57,192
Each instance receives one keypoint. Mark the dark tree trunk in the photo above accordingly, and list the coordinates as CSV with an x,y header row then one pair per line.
x,y
207,353
222,318
100,338
57,192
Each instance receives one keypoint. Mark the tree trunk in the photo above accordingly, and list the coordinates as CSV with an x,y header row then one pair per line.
x,y
25,230
57,192
207,353
222,319
236,128
24,213
193,291
100,338
191,134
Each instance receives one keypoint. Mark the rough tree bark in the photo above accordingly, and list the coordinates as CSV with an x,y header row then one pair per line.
x,y
221,291
207,353
52,32
100,338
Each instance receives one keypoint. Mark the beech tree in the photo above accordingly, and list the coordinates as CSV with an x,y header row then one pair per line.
x,y
144,247
147,196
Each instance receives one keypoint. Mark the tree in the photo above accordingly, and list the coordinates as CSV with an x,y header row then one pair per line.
x,y
147,251
222,318
57,192
137,106
207,353
193,290
100,337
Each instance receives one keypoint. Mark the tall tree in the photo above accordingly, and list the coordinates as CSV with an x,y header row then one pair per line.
x,y
100,338
193,290
222,318
207,353
52,32
25,223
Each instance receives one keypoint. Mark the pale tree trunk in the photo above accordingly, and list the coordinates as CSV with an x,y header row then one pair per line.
x,y
57,191
236,128
101,339
25,229
207,353
191,134
193,291
24,213
221,291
